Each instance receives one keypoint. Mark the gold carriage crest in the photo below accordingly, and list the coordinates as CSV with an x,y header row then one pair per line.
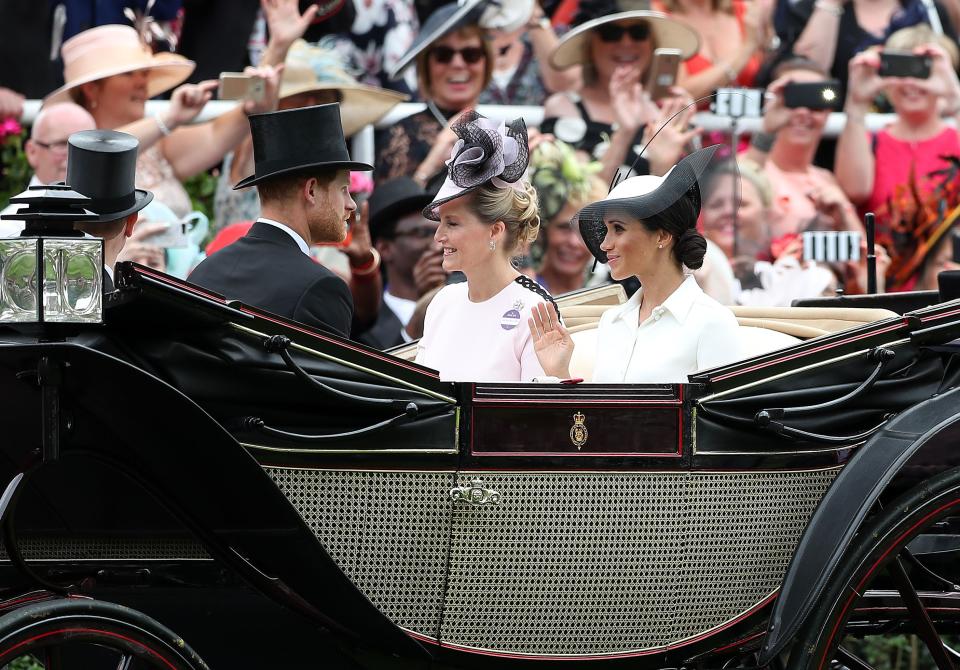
x,y
578,432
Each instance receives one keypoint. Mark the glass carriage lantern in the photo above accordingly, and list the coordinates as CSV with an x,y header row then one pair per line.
x,y
51,273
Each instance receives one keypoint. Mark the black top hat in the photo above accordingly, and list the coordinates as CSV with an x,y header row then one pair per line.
x,y
298,140
393,200
102,165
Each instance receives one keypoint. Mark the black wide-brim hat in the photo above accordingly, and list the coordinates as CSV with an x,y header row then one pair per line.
x,y
394,200
444,20
645,196
102,165
297,141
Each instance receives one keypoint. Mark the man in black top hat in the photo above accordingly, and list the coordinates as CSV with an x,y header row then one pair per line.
x,y
102,165
302,174
404,238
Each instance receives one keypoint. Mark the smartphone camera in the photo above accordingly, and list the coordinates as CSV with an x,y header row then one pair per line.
x,y
815,95
901,64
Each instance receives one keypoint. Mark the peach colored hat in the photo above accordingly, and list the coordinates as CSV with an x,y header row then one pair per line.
x,y
108,50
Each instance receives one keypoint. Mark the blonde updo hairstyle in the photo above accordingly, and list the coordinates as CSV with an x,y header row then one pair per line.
x,y
518,209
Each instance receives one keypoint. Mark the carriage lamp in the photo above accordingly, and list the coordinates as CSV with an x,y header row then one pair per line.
x,y
51,280
52,273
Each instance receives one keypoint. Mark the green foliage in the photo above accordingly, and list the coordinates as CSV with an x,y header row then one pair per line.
x,y
14,170
202,188
24,663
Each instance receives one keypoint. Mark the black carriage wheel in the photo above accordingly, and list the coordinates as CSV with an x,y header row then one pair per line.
x,y
50,630
879,559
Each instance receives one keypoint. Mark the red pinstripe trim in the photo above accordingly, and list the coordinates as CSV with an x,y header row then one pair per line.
x,y
859,587
107,633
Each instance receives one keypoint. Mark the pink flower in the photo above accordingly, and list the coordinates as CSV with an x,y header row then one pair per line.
x,y
360,182
9,126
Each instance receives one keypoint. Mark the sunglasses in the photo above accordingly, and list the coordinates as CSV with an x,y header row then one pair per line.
x,y
611,32
470,55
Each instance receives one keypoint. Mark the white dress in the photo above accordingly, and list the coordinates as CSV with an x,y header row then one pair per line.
x,y
485,341
690,331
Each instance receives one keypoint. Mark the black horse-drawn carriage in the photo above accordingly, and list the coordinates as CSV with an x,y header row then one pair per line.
x,y
285,498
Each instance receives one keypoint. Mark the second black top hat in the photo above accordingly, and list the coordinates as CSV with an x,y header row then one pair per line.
x,y
102,165
298,140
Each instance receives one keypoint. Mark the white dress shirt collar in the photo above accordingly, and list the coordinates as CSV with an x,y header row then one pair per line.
x,y
679,303
302,243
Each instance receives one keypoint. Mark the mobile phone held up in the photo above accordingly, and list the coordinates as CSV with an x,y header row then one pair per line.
x,y
663,72
815,95
239,86
904,64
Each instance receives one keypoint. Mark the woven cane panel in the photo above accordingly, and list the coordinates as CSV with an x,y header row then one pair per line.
x,y
388,531
583,564
107,549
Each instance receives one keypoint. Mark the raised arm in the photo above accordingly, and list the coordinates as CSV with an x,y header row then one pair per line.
x,y
544,40
818,41
193,149
286,25
632,110
725,72
854,164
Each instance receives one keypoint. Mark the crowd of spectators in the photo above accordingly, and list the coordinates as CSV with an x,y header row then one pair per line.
x,y
586,63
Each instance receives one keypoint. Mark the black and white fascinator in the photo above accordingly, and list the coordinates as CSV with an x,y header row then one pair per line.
x,y
486,152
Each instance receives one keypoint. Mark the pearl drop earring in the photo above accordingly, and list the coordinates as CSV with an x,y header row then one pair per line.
x,y
493,245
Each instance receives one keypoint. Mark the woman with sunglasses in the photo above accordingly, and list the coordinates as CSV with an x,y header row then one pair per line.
x,y
454,65
608,117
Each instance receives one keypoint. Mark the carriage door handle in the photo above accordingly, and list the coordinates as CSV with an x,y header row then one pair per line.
x,y
474,495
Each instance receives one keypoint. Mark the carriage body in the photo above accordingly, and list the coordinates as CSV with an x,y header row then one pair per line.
x,y
424,521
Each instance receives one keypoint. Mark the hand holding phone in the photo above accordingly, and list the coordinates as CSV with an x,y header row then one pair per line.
x,y
663,72
239,86
904,64
814,95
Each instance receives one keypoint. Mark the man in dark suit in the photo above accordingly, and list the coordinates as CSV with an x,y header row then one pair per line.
x,y
302,174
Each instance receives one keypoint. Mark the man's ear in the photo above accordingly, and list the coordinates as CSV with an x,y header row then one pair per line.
x,y
30,150
309,189
129,224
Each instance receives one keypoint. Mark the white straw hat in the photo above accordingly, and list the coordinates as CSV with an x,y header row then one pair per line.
x,y
109,50
574,47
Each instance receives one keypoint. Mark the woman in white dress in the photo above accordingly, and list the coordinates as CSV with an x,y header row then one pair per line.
x,y
646,227
478,330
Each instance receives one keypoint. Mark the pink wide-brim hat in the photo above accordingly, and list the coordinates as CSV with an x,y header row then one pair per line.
x,y
110,50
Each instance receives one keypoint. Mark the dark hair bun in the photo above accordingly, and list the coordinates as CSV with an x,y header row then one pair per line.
x,y
690,249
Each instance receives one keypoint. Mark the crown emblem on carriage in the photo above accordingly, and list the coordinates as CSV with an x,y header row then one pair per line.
x,y
578,432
